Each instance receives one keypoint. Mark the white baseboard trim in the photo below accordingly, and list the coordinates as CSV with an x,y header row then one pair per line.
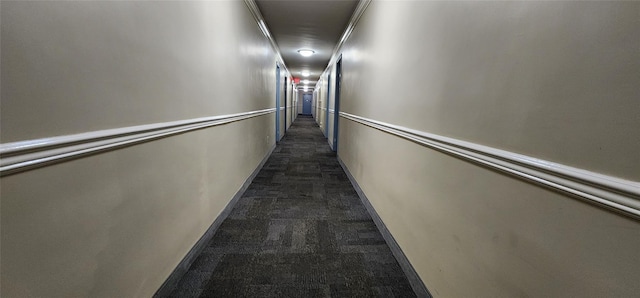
x,y
619,195
416,283
184,265
20,156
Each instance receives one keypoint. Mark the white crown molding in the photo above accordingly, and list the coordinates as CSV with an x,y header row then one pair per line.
x,y
24,155
257,15
619,195
357,14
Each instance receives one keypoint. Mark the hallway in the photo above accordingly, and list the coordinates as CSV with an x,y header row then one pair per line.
x,y
299,230
454,148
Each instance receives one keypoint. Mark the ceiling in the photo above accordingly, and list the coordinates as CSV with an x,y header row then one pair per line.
x,y
307,24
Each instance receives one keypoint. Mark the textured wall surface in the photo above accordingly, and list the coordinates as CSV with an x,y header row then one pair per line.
x,y
116,224
551,80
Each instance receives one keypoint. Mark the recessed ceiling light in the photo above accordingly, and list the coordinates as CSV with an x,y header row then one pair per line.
x,y
306,81
305,73
306,53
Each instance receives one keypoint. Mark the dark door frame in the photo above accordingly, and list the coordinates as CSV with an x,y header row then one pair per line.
x,y
286,80
326,120
278,102
336,105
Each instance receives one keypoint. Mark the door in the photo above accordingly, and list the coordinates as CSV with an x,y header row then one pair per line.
x,y
336,115
306,104
277,103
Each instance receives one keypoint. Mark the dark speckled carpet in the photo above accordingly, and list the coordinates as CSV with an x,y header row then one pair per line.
x,y
299,230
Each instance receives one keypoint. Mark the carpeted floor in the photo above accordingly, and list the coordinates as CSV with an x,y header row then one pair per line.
x,y
300,230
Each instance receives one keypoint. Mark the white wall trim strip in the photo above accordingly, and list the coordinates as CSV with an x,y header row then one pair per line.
x,y
24,155
619,195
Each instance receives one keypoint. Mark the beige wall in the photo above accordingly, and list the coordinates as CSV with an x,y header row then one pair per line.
x,y
290,109
314,105
296,102
283,103
332,102
322,104
553,80
322,99
116,224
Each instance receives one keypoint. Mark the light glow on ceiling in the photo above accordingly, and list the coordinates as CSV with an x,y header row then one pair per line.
x,y
305,73
306,53
306,81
